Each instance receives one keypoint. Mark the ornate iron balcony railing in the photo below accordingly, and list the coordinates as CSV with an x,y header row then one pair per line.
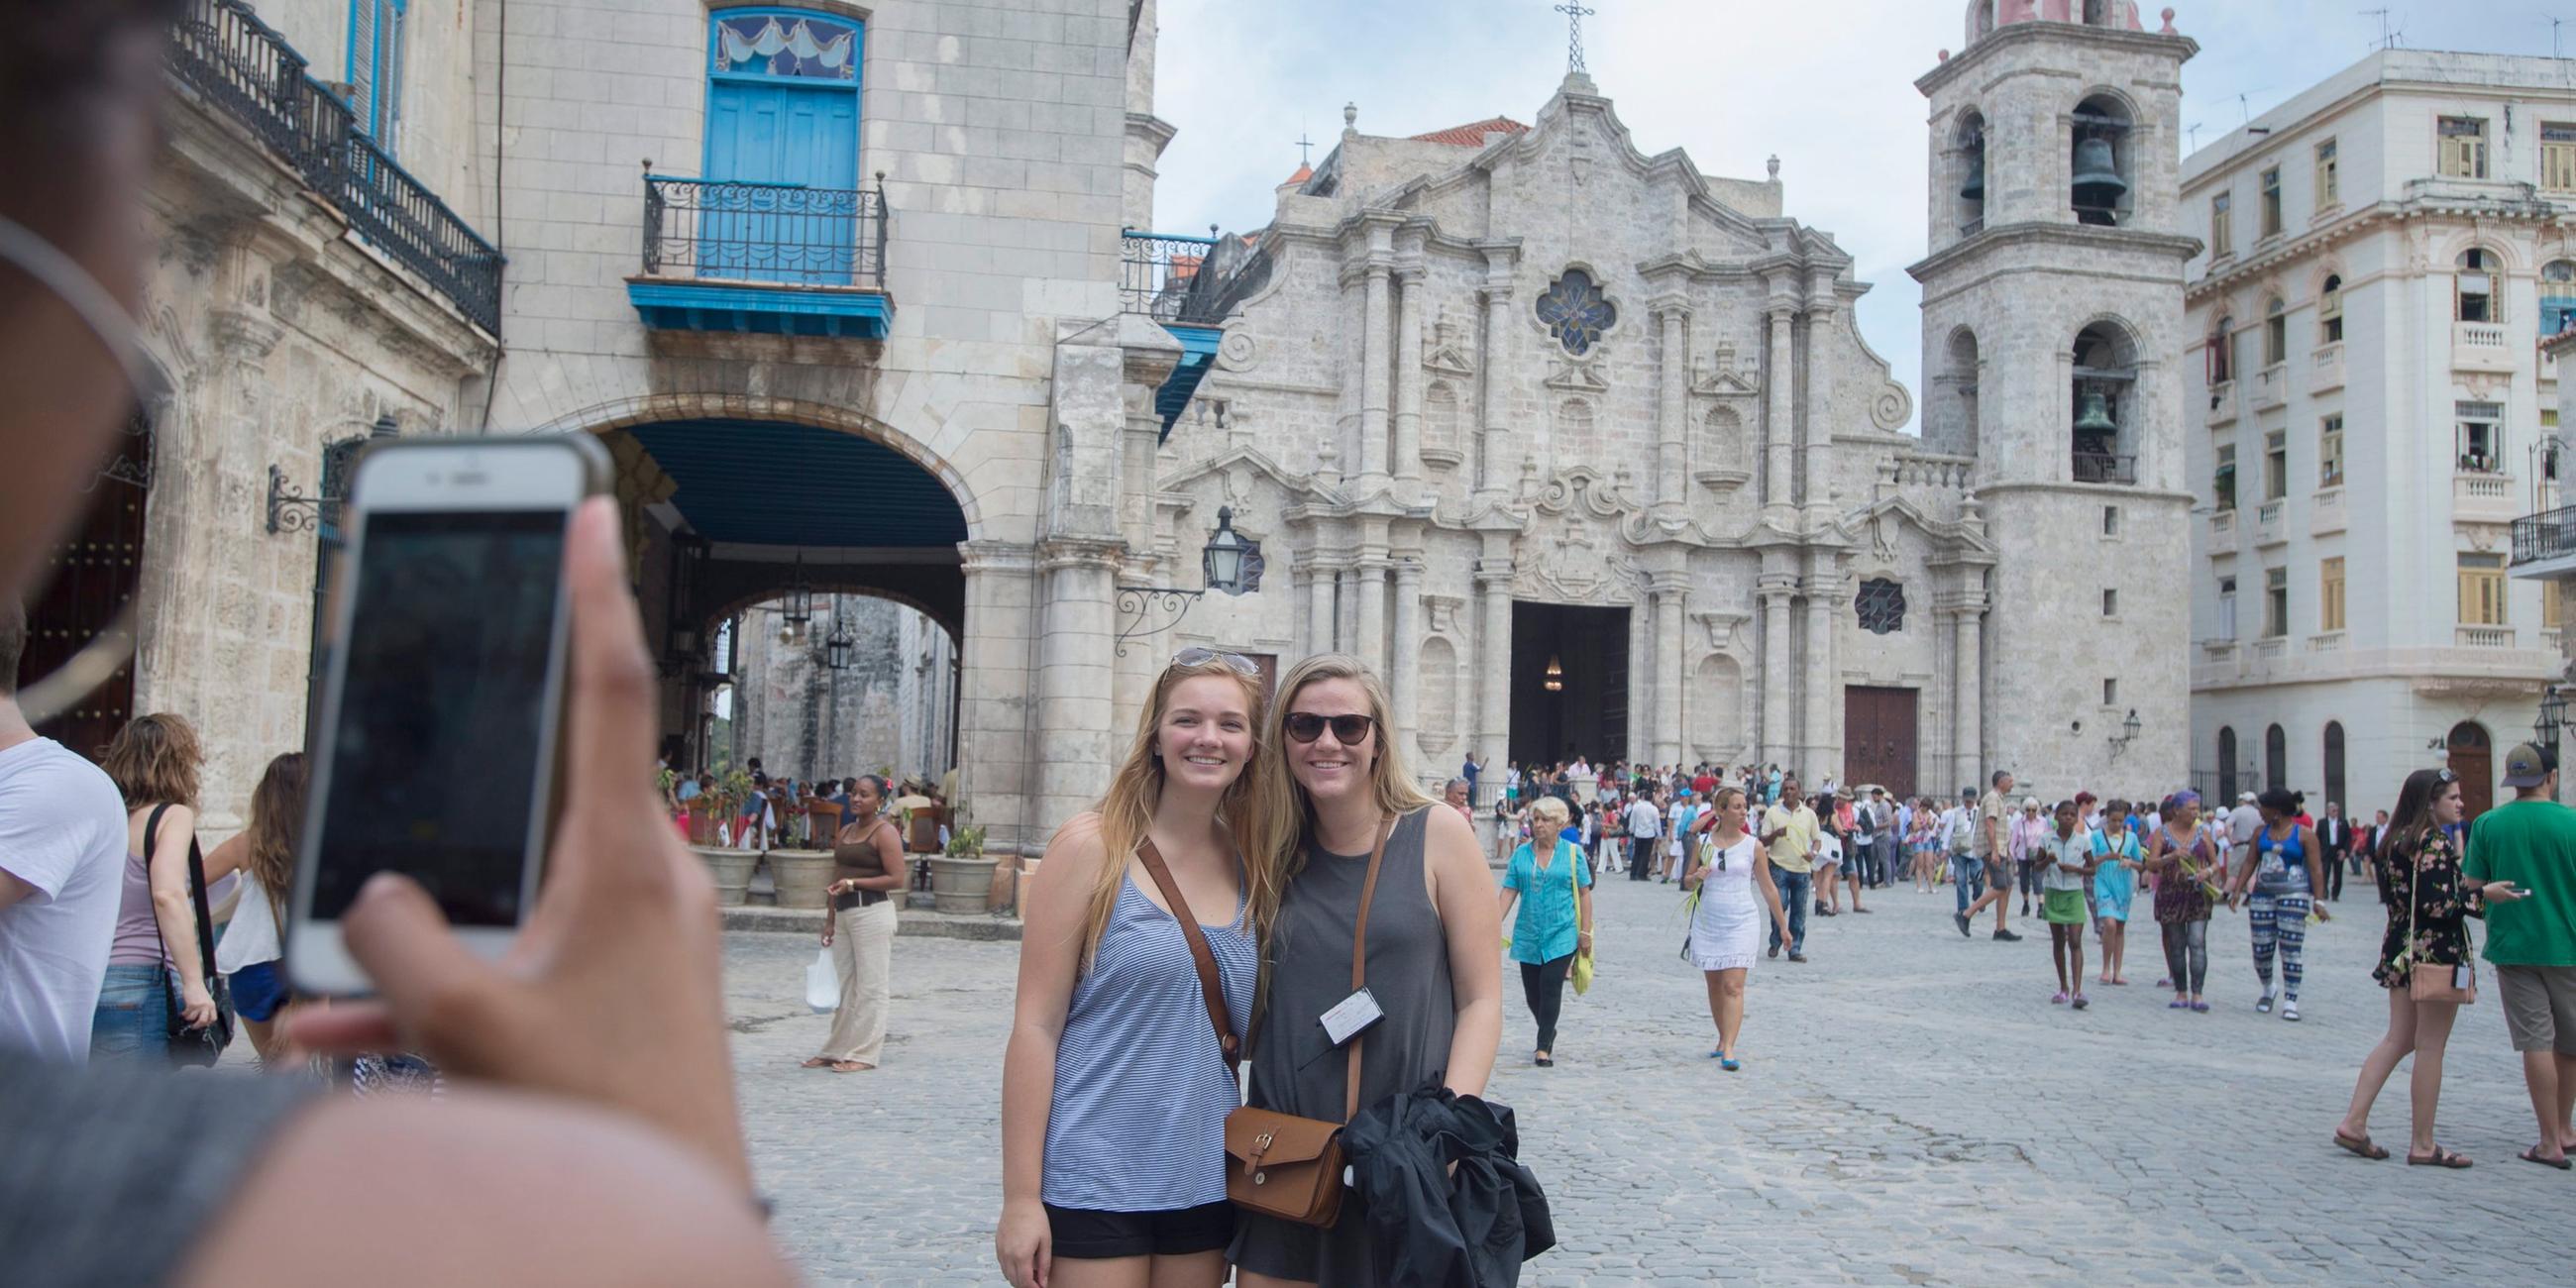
x,y
1156,273
2550,534
738,231
237,63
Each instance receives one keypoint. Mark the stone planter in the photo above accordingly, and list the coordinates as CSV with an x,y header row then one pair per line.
x,y
961,885
801,876
731,870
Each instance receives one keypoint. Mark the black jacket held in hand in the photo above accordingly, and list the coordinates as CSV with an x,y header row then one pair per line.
x,y
1428,1229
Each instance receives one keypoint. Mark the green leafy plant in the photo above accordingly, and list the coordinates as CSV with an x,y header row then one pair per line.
x,y
965,842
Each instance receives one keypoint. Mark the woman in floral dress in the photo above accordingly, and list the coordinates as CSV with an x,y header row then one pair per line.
x,y
2182,860
2428,911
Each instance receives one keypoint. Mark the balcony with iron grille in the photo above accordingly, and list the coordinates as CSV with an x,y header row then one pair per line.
x,y
2105,467
2544,545
763,258
1189,285
223,56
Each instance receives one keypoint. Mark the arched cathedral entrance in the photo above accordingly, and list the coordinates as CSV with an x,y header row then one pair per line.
x,y
1569,683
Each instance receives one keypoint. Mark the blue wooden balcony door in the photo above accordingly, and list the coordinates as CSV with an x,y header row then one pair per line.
x,y
782,151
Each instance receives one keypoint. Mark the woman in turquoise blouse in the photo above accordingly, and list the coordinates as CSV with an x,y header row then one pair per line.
x,y
1555,925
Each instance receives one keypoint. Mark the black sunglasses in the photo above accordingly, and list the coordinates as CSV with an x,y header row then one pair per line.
x,y
1197,656
1306,726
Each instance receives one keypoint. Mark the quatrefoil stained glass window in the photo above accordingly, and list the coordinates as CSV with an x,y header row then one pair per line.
x,y
1881,606
1576,312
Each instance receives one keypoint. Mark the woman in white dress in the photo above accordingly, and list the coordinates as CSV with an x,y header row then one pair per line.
x,y
1726,921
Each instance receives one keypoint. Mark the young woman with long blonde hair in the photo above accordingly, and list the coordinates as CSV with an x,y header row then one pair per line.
x,y
1115,1087
1435,921
154,761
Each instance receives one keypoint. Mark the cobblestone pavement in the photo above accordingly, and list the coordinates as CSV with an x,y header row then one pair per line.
x,y
1912,1111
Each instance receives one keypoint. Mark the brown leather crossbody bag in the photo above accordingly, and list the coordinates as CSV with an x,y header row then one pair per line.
x,y
1279,1164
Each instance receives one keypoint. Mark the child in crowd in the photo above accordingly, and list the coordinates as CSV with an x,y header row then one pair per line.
x,y
2067,865
2115,886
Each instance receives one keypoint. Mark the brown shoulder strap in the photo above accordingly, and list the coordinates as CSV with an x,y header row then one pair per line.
x,y
1211,986
1359,966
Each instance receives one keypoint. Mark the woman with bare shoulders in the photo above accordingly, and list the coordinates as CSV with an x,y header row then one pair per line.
x,y
154,761
1104,1187
867,869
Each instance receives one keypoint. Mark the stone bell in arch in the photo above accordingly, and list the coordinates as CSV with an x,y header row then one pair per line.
x,y
2098,185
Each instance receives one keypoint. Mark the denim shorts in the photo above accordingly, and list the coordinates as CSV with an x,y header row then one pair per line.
x,y
133,1016
258,992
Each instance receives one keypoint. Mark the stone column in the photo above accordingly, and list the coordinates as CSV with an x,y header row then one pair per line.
x,y
1671,601
1816,446
1374,363
1820,738
1672,406
1641,678
1076,623
1372,612
1967,728
1493,666
1778,414
1778,685
1408,658
1320,580
1408,374
1497,463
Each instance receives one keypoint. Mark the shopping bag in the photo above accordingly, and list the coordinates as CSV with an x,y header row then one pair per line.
x,y
823,984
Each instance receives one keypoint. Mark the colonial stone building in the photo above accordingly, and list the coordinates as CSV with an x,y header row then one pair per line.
x,y
1582,449
865,686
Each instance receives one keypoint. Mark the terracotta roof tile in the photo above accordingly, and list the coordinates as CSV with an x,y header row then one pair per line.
x,y
1304,172
1472,134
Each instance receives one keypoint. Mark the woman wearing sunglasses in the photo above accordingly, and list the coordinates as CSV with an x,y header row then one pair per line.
x,y
1341,788
1726,923
1096,1171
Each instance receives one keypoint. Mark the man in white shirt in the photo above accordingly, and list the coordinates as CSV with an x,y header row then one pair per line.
x,y
2242,823
1645,827
1685,812
62,858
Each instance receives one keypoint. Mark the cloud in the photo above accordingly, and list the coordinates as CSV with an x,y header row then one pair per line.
x,y
1829,88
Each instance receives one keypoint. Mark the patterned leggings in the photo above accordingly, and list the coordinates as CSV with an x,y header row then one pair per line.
x,y
2186,954
2279,920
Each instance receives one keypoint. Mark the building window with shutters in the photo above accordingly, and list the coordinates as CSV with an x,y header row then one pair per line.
x,y
2223,484
2329,176
2276,333
2558,156
2330,310
2276,602
2222,233
2222,352
2268,216
2227,608
2464,146
2481,437
2276,465
2553,604
2330,594
2557,296
2330,451
377,42
2481,589
2474,289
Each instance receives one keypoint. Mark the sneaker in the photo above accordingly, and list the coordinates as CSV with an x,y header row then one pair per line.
x,y
2059,1000
2081,1001
2006,936
2289,1010
2264,1004
1962,919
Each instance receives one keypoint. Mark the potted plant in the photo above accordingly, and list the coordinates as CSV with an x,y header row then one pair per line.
x,y
730,867
801,875
961,878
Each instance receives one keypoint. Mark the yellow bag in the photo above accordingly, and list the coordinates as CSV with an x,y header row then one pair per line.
x,y
1581,974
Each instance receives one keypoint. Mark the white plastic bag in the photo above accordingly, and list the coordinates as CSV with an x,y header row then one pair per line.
x,y
823,984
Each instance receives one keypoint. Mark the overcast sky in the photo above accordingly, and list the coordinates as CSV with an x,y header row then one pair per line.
x,y
1828,85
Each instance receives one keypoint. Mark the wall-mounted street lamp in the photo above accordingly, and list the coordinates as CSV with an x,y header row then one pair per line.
x,y
2553,717
2128,734
1230,564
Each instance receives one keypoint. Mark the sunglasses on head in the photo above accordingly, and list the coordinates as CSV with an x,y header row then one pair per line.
x,y
1196,656
1306,726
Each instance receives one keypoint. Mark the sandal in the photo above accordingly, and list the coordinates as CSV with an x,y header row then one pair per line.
x,y
2440,1157
2532,1155
2359,1145
850,1066
815,1063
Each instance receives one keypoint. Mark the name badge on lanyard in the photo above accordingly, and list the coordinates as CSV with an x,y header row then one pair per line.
x,y
1351,1016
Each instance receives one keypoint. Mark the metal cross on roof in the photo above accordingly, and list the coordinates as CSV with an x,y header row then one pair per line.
x,y
1303,143
1575,12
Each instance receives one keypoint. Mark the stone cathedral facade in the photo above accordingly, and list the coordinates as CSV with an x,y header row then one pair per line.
x,y
1582,449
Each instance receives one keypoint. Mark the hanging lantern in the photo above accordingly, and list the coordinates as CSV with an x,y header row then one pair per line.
x,y
799,607
2553,715
1554,682
1223,560
838,644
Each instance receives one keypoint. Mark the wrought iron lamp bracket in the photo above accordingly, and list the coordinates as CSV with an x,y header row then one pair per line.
x,y
292,511
1143,602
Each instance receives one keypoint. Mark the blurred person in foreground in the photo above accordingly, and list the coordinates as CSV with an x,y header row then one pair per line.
x,y
594,1139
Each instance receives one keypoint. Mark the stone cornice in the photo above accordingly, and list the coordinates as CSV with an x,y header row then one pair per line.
x,y
2177,47
2077,236
2349,228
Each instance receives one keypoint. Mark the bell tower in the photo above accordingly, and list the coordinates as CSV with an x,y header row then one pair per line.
x,y
2052,338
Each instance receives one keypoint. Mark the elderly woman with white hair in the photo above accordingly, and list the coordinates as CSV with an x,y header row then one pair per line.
x,y
1553,885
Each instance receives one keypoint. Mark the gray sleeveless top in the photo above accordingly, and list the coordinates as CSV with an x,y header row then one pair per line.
x,y
1297,1070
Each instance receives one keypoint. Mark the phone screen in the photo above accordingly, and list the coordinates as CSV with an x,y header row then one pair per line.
x,y
435,754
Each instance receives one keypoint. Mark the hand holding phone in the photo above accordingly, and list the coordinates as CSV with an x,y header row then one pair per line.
x,y
612,993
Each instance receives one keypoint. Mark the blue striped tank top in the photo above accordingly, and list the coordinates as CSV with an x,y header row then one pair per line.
x,y
1137,1122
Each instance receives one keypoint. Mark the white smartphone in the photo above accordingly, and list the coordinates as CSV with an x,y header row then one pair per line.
x,y
442,694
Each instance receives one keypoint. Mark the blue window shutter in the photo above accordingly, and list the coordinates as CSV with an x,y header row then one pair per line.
x,y
362,58
2554,310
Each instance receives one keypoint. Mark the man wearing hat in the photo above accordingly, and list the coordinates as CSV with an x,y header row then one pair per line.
x,y
2531,842
2242,823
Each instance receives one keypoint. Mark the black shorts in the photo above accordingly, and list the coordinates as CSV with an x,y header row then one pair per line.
x,y
1095,1236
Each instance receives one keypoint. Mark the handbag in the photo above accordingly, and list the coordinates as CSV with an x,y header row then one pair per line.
x,y
1580,974
1277,1164
2436,985
199,1047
